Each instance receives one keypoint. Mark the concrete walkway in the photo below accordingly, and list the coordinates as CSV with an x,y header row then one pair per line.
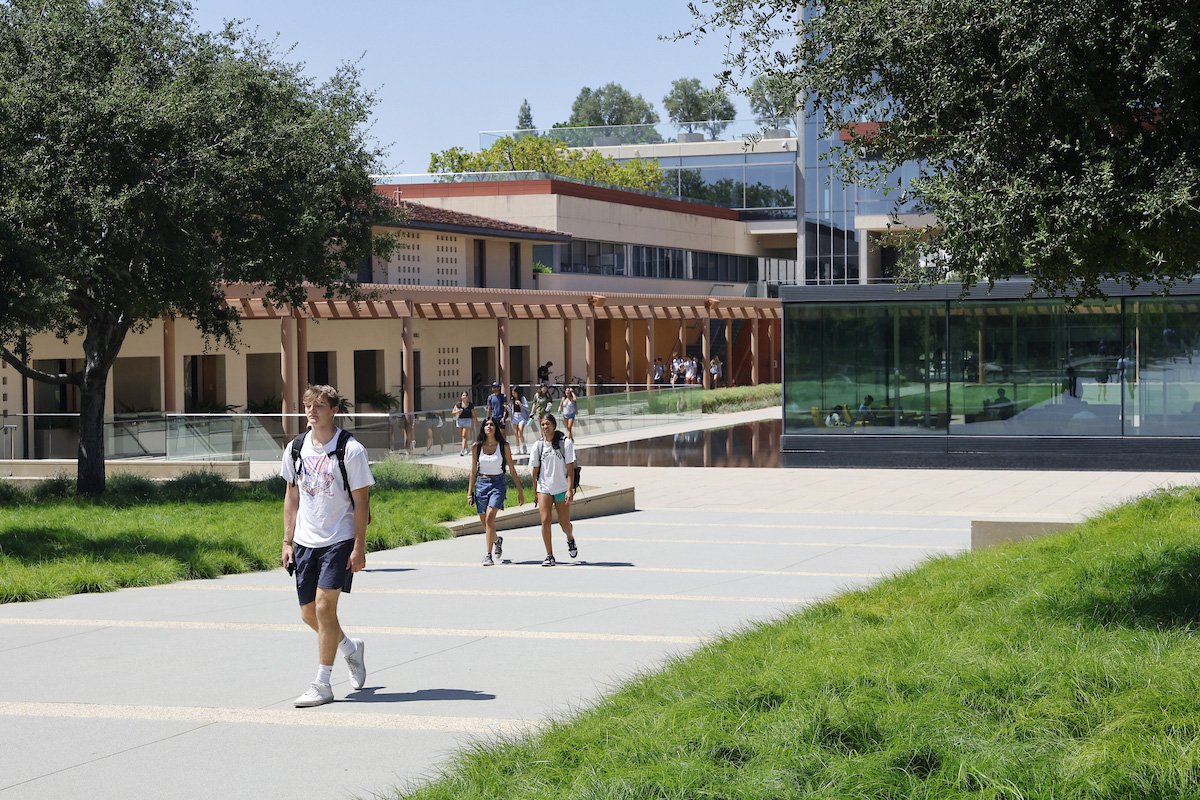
x,y
185,691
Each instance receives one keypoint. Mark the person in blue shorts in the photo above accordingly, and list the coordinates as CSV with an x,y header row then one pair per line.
x,y
326,509
552,459
497,406
488,487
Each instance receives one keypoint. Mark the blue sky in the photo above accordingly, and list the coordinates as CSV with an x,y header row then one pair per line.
x,y
445,71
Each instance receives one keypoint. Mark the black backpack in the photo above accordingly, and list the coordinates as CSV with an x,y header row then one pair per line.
x,y
343,439
578,469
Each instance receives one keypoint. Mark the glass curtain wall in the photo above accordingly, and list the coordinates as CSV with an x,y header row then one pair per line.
x,y
1117,367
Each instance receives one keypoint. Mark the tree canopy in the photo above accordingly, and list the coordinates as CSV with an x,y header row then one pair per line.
x,y
525,117
545,154
611,104
690,104
144,164
1060,139
772,99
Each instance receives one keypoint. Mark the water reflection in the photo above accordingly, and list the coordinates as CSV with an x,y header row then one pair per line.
x,y
754,444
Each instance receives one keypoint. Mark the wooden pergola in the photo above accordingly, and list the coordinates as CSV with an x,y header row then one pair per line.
x,y
406,303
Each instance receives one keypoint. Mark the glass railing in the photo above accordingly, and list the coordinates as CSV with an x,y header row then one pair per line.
x,y
602,408
734,130
406,179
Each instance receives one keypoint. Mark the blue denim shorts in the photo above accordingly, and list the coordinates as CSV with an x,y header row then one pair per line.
x,y
322,567
490,491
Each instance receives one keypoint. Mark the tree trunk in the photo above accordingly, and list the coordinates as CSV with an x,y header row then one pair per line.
x,y
103,340
90,476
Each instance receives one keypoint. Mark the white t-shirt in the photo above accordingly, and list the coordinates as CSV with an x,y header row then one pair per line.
x,y
325,515
552,467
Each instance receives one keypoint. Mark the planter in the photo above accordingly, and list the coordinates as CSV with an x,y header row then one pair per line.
x,y
777,133
606,141
688,138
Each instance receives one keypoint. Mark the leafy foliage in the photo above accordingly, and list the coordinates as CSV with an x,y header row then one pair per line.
x,y
1060,139
694,106
144,164
772,98
611,104
542,154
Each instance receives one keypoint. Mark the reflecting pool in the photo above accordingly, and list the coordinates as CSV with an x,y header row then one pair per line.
x,y
753,444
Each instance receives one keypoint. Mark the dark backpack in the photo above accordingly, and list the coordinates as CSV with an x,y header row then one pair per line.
x,y
339,451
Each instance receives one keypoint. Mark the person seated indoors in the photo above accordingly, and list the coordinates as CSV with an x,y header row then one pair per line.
x,y
1002,406
838,417
865,414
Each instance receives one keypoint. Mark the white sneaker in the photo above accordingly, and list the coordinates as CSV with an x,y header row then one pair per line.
x,y
487,560
358,668
318,694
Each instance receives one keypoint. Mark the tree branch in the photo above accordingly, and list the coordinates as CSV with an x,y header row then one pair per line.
x,y
60,379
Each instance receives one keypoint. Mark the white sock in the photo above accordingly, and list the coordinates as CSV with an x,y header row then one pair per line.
x,y
323,674
346,647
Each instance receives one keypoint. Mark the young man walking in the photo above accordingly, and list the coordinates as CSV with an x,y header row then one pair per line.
x,y
326,509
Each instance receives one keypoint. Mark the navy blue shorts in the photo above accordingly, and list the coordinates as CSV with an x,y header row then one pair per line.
x,y
490,491
322,567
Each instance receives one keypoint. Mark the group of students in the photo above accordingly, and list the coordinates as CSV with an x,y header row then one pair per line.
x,y
519,410
325,519
551,458
688,370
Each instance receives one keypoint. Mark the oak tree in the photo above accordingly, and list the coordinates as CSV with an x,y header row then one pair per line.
x,y
145,164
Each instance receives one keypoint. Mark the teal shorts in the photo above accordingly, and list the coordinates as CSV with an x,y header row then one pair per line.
x,y
558,498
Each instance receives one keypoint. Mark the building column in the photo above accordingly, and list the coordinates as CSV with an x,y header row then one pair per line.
x,y
650,349
770,351
169,367
680,345
568,362
589,352
287,365
628,353
755,350
706,353
726,325
302,354
408,364
502,335
864,250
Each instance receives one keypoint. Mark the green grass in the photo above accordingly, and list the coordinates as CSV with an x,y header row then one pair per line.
x,y
741,398
1060,668
140,533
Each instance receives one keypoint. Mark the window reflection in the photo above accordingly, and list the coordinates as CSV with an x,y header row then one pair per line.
x,y
977,368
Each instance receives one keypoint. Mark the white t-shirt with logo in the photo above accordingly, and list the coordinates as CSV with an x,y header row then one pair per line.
x,y
325,515
552,467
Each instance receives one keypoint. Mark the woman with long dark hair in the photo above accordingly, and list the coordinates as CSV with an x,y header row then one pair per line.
x,y
489,456
552,459
568,407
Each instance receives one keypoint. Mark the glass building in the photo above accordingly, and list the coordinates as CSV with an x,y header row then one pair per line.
x,y
925,377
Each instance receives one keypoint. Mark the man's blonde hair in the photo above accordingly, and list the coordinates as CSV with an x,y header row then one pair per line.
x,y
322,392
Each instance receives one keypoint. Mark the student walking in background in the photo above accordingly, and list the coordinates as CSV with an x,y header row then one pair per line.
x,y
326,509
541,403
490,456
552,459
520,418
464,416
568,407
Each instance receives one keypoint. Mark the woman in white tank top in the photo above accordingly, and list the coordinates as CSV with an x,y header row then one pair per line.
x,y
488,486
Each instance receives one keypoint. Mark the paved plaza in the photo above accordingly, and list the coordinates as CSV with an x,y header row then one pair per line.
x,y
184,691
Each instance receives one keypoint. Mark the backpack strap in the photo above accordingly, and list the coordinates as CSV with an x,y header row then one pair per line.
x,y
297,462
340,451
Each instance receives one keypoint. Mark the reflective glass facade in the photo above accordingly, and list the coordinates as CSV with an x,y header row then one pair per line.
x,y
1121,367
587,257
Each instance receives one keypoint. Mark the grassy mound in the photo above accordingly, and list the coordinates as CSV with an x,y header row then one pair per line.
x,y
1060,668
142,533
